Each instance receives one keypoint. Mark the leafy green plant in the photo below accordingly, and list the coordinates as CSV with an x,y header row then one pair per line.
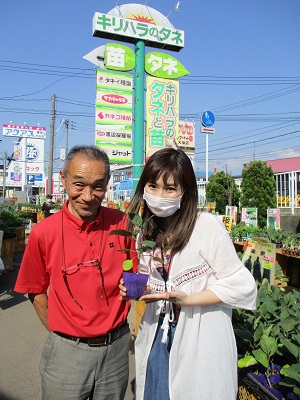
x,y
29,207
136,234
9,220
12,218
241,230
222,189
282,236
268,338
258,189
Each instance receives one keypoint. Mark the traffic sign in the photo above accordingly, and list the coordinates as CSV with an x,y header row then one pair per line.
x,y
207,118
204,129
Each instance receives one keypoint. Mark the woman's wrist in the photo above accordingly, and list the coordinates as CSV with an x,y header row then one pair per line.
x,y
204,298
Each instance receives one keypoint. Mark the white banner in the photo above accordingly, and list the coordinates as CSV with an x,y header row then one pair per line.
x,y
24,131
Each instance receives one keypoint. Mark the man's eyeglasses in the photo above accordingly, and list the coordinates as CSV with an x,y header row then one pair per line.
x,y
75,268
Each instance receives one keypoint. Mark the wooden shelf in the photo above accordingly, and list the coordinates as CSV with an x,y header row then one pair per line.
x,y
239,247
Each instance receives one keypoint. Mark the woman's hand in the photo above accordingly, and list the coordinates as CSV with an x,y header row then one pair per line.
x,y
204,298
177,297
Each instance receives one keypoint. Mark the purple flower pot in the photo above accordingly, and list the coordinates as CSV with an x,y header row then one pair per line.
x,y
275,379
135,284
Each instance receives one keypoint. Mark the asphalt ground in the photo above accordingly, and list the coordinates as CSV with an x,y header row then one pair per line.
x,y
22,338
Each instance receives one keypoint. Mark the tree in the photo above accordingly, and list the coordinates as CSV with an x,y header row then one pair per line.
x,y
258,189
222,189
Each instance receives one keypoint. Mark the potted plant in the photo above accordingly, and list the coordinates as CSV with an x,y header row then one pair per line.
x,y
135,283
30,208
241,232
268,341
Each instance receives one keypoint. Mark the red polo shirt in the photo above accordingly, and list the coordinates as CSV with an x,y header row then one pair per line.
x,y
66,240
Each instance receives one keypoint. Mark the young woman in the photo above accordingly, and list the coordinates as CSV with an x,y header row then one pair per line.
x,y
185,347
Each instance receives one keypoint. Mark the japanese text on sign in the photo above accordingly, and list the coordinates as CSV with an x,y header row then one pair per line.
x,y
186,135
113,26
114,115
24,131
227,221
164,66
119,57
162,111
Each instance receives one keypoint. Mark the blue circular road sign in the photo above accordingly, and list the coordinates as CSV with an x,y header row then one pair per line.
x,y
207,118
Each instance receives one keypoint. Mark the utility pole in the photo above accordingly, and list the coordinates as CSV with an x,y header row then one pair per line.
x,y
71,125
4,173
51,146
229,187
230,192
67,136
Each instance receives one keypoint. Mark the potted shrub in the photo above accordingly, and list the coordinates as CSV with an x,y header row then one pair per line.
x,y
10,221
135,283
30,208
241,232
268,341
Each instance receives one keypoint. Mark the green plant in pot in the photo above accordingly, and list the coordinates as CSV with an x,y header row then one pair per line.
x,y
9,220
135,283
268,341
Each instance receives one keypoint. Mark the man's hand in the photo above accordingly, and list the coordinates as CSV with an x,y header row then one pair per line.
x,y
40,304
123,291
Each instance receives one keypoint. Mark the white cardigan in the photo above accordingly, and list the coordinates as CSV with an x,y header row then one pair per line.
x,y
203,357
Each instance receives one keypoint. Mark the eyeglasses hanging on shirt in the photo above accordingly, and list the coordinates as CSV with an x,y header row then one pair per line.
x,y
96,263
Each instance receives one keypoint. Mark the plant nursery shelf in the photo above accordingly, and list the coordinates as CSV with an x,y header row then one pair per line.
x,y
290,264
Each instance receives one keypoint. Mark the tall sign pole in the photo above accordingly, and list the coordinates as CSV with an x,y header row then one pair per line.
x,y
24,158
206,163
141,25
138,123
207,121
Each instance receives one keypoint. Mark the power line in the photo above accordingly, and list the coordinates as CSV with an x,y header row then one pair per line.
x,y
231,146
44,65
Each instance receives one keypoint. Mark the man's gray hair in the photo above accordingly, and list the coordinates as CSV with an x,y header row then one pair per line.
x,y
90,153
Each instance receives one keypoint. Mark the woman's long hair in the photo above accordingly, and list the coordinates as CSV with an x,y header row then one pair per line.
x,y
172,233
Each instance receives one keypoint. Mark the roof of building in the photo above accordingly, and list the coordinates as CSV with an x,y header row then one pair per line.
x,y
285,164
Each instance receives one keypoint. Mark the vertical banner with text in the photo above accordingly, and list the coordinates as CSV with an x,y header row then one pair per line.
x,y
249,216
113,131
232,212
273,218
259,258
16,175
186,135
162,113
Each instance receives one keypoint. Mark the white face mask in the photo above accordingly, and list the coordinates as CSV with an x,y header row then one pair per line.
x,y
161,206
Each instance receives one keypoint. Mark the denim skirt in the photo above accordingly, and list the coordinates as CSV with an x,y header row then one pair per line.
x,y
157,376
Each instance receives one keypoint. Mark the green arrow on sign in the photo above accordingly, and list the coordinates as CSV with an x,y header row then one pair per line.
x,y
119,57
164,66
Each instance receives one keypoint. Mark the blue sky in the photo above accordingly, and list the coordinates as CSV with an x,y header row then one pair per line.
x,y
243,57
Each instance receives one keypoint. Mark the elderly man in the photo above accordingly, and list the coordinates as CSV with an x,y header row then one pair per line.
x,y
71,270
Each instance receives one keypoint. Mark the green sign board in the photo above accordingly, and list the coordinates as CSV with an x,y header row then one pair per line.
x,y
131,30
164,66
119,57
